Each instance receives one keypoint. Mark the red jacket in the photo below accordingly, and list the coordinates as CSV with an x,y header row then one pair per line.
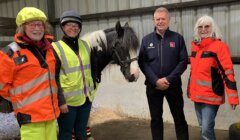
x,y
212,73
30,86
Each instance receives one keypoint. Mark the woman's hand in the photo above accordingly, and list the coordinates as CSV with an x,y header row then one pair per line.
x,y
64,108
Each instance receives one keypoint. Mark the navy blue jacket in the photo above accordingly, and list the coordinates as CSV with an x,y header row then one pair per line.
x,y
163,57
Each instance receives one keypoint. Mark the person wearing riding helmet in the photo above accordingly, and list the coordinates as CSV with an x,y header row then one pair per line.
x,y
75,78
30,76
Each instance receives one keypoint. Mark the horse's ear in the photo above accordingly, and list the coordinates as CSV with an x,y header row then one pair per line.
x,y
126,24
119,29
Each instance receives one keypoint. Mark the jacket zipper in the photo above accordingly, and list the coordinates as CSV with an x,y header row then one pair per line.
x,y
161,55
49,80
51,91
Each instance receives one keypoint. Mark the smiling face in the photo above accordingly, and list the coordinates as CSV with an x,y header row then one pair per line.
x,y
35,30
71,29
161,21
205,30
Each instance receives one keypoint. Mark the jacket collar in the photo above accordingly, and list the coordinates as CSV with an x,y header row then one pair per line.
x,y
165,34
204,42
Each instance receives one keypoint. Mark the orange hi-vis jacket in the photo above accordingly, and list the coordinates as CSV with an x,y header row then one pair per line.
x,y
212,73
30,87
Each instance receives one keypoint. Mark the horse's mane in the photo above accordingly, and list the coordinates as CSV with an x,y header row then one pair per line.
x,y
95,39
98,38
130,36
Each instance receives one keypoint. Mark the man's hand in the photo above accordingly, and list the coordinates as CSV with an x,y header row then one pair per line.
x,y
64,108
162,84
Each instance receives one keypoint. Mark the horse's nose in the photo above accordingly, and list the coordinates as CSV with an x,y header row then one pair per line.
x,y
136,74
132,78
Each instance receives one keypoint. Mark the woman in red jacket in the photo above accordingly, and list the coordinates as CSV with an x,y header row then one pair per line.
x,y
211,76
29,77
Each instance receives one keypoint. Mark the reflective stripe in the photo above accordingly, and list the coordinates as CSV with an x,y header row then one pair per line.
x,y
219,99
8,98
1,86
33,98
14,46
204,83
232,95
27,86
86,46
229,72
73,69
68,69
73,93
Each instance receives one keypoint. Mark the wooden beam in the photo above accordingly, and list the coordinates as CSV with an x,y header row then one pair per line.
x,y
51,14
9,22
51,10
7,31
4,43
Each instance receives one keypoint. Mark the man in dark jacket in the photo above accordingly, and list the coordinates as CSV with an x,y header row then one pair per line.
x,y
162,59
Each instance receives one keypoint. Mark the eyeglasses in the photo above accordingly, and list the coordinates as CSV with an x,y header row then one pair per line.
x,y
33,25
72,25
201,27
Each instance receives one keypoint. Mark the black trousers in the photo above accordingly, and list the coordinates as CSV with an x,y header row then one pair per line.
x,y
175,101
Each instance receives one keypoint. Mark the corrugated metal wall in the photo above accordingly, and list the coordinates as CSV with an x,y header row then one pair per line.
x,y
181,21
10,8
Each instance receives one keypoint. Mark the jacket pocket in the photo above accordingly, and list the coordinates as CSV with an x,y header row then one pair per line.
x,y
217,82
23,118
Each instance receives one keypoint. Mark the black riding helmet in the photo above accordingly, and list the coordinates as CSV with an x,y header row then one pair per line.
x,y
71,16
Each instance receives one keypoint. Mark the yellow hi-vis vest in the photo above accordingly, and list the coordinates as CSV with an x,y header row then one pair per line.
x,y
75,74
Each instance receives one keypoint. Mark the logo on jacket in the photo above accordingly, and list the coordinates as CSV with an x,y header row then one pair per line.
x,y
172,44
150,46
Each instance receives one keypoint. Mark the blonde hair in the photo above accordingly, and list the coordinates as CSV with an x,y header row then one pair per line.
x,y
216,33
162,9
48,29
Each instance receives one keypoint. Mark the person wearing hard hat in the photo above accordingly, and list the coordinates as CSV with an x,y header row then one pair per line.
x,y
75,78
29,77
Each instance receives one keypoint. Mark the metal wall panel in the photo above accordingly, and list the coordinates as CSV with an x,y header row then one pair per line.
x,y
101,6
234,34
146,3
181,21
112,5
98,6
135,4
123,4
10,8
188,21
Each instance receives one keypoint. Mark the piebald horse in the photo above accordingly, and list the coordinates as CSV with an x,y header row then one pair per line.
x,y
117,45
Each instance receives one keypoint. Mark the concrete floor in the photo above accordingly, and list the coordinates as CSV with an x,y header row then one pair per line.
x,y
133,129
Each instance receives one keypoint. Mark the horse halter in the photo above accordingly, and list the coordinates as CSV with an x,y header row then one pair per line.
x,y
122,63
